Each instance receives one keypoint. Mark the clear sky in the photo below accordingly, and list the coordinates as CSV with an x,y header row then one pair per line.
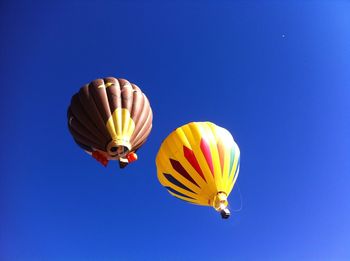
x,y
276,74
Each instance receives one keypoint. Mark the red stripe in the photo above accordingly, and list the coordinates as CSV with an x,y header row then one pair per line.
x,y
191,158
207,154
178,167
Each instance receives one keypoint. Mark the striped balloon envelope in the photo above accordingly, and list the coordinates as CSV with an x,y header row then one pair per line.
x,y
199,163
110,119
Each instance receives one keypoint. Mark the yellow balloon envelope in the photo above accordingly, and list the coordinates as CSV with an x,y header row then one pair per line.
x,y
199,163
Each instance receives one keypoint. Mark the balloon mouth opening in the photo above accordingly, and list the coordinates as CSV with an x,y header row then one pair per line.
x,y
220,204
117,149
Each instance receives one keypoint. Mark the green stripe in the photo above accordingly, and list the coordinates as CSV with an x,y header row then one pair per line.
x,y
232,158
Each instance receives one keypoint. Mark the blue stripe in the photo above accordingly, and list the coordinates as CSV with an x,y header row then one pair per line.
x,y
178,193
176,182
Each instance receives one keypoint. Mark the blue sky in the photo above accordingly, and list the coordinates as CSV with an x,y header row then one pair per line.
x,y
274,73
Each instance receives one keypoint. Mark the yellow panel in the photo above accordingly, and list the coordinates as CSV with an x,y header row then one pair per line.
x,y
111,128
120,125
197,130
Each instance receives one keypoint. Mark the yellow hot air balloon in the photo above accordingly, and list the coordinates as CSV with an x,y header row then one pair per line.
x,y
199,163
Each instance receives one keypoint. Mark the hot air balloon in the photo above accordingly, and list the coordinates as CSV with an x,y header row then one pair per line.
x,y
199,163
110,119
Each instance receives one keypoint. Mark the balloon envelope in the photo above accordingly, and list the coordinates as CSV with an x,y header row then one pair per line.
x,y
199,163
110,119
